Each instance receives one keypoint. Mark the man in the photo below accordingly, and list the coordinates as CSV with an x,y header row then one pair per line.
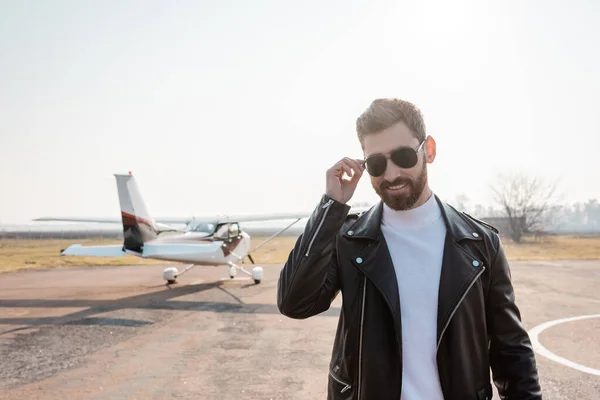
x,y
428,303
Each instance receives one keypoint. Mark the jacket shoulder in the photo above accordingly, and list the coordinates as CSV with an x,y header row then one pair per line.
x,y
356,214
353,216
483,224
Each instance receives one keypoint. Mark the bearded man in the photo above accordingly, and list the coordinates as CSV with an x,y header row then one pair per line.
x,y
429,308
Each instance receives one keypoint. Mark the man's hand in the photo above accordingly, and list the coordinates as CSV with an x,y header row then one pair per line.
x,y
337,187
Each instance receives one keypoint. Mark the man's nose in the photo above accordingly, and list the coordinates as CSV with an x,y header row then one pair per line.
x,y
392,172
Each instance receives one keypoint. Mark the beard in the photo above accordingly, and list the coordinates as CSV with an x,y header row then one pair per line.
x,y
400,202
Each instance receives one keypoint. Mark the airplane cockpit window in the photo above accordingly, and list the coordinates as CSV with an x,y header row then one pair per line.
x,y
222,231
204,228
227,231
234,230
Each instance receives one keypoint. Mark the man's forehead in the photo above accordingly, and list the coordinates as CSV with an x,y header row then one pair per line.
x,y
388,139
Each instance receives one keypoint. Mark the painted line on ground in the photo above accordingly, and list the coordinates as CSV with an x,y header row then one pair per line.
x,y
540,349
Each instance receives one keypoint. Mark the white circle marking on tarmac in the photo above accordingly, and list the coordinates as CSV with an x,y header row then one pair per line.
x,y
540,349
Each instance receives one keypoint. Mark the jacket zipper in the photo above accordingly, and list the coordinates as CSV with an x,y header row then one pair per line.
x,y
458,304
360,340
346,387
326,206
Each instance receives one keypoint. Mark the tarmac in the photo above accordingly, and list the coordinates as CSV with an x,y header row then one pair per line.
x,y
121,333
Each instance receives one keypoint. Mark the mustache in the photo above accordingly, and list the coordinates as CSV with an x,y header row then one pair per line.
x,y
397,181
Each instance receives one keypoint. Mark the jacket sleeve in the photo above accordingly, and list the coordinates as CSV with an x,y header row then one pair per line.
x,y
512,357
308,282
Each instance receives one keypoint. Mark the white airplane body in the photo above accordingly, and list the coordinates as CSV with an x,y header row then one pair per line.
x,y
193,248
208,241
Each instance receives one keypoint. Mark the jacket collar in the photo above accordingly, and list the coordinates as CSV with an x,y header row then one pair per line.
x,y
368,225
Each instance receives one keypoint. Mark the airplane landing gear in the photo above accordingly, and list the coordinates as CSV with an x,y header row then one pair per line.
x,y
232,271
171,274
256,274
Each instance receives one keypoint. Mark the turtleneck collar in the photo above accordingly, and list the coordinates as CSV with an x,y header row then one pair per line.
x,y
412,219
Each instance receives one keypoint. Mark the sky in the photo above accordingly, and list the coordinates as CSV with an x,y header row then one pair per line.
x,y
234,107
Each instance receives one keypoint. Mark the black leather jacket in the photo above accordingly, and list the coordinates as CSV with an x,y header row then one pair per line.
x,y
479,325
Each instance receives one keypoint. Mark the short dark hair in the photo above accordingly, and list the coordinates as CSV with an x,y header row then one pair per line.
x,y
386,112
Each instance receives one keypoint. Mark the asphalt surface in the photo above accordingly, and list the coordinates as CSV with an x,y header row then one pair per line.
x,y
121,333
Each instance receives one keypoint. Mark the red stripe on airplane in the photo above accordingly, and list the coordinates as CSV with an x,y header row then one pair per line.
x,y
130,219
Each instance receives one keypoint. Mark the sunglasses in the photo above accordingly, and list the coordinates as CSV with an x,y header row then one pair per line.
x,y
403,157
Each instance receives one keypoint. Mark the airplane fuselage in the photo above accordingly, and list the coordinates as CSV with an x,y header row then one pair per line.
x,y
198,249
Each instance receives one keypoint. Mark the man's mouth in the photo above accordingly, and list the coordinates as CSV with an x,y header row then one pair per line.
x,y
396,187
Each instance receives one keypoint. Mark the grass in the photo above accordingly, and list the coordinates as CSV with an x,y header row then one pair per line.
x,y
554,248
20,254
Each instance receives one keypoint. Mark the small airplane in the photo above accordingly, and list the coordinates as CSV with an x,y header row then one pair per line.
x,y
206,241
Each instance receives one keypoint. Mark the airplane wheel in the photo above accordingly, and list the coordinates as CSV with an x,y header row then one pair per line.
x,y
170,275
257,274
232,272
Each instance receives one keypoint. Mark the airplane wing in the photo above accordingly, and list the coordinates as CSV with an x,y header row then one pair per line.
x,y
201,219
186,220
259,217
265,217
255,217
132,205
175,220
69,219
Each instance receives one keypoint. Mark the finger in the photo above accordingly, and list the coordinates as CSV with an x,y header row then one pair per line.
x,y
336,169
355,171
354,180
347,166
347,169
356,168
357,165
361,163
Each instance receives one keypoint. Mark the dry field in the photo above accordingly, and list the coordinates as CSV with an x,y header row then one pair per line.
x,y
18,254
554,248
21,254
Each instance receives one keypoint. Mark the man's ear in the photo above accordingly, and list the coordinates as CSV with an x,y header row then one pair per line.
x,y
430,149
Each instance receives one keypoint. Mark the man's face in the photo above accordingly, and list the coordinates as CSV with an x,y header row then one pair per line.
x,y
399,188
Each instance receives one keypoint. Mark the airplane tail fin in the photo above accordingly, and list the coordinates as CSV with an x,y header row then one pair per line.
x,y
138,225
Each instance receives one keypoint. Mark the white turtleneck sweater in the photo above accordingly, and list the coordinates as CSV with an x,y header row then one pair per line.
x,y
416,242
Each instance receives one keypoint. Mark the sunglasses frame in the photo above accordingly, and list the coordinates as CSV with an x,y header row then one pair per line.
x,y
388,156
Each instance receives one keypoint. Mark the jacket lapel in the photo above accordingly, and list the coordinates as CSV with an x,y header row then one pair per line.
x,y
459,266
374,260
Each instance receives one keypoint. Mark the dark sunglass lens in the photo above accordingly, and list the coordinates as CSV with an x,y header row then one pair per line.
x,y
376,165
404,158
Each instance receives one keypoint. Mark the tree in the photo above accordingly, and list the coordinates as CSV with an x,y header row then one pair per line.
x,y
592,213
527,202
579,217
